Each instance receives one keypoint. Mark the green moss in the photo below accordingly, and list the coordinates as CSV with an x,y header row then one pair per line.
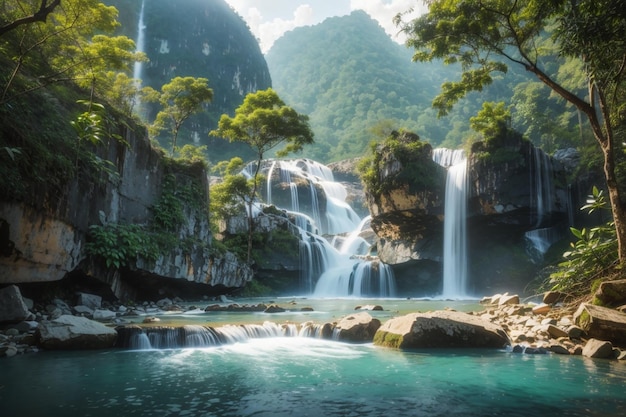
x,y
386,339
584,319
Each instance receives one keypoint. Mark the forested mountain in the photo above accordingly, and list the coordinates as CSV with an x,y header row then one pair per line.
x,y
198,38
349,76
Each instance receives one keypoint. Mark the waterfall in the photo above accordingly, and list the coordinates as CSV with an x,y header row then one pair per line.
x,y
455,222
542,203
140,44
330,266
196,336
543,184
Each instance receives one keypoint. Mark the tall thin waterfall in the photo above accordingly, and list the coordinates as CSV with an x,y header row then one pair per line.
x,y
542,202
543,184
455,222
339,265
140,44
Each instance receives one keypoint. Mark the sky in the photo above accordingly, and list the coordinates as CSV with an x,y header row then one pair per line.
x,y
270,19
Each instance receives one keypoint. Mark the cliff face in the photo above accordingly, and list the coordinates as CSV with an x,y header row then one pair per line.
x,y
509,193
46,241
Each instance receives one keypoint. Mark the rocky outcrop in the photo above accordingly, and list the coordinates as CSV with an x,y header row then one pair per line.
x,y
440,329
503,204
71,332
48,242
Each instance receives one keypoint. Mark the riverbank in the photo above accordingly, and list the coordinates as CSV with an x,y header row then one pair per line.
x,y
547,326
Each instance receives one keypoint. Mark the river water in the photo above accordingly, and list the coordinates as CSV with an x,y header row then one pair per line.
x,y
301,376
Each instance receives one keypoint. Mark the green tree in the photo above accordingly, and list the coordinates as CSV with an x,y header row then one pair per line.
x,y
475,33
66,42
229,197
264,122
179,99
491,119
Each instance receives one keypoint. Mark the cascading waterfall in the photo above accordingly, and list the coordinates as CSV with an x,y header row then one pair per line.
x,y
455,222
326,271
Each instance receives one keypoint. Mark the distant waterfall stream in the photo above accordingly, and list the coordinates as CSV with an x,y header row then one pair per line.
x,y
455,223
140,44
541,238
334,259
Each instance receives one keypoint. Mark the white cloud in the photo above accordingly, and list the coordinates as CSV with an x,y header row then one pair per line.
x,y
385,10
270,19
269,31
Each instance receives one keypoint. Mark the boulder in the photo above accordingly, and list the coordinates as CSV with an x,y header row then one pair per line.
x,y
611,293
360,327
440,329
508,299
89,300
12,306
602,323
595,348
71,332
104,315
553,297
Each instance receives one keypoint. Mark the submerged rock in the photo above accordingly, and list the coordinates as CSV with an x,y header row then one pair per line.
x,y
440,329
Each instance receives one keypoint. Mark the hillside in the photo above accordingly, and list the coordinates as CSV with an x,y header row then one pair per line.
x,y
349,76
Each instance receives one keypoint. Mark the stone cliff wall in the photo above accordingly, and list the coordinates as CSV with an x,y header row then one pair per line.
x,y
502,206
45,241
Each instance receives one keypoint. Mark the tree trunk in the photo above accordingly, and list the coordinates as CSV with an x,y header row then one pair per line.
x,y
619,214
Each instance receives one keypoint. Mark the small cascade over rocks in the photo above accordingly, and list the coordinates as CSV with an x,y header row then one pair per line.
x,y
195,336
455,278
334,256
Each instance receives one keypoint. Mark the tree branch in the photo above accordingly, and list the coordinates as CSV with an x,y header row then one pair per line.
x,y
39,16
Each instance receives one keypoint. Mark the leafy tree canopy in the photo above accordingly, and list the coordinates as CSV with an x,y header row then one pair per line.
x,y
179,99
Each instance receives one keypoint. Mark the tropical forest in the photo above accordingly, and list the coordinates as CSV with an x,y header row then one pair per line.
x,y
340,225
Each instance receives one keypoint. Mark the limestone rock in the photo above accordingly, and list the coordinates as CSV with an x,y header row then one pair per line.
x,y
553,297
602,323
556,332
104,315
273,308
595,348
541,308
359,327
440,329
612,293
12,306
89,300
71,332
509,299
